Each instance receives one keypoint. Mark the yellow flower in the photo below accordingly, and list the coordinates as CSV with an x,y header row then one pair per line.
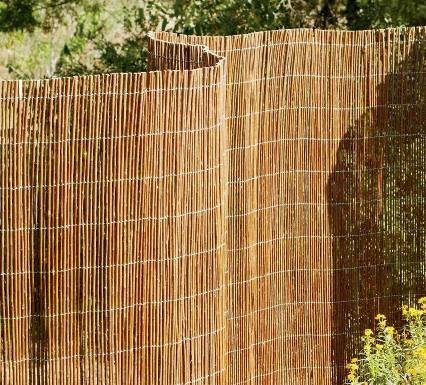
x,y
354,360
379,347
412,371
390,330
404,310
368,332
413,312
422,302
380,317
352,367
351,377
421,352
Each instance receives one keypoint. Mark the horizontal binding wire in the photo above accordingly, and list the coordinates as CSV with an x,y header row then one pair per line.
x,y
319,204
338,140
141,262
145,91
300,303
284,337
156,346
326,108
319,44
118,137
118,180
186,298
320,76
323,270
319,270
117,265
201,171
292,237
117,309
331,171
142,92
119,222
323,205
288,369
189,131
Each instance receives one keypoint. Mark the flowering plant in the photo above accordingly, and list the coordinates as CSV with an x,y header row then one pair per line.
x,y
390,357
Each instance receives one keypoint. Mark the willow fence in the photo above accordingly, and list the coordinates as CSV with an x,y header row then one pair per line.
x,y
237,215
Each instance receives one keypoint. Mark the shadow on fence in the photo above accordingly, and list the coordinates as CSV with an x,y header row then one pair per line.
x,y
376,195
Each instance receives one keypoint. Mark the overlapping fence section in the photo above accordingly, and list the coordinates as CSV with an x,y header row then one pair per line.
x,y
236,218
112,228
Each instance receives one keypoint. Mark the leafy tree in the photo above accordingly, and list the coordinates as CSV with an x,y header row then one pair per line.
x,y
213,17
109,36
94,48
366,14
31,14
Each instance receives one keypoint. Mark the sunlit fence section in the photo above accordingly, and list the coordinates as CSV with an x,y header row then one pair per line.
x,y
112,227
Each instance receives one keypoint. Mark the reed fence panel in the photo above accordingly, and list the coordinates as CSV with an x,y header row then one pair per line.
x,y
237,215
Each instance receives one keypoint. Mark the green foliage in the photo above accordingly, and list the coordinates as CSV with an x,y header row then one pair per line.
x,y
17,15
366,14
218,17
392,358
213,17
95,49
74,59
31,14
109,36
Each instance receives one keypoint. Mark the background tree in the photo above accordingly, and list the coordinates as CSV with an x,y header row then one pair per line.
x,y
71,37
31,14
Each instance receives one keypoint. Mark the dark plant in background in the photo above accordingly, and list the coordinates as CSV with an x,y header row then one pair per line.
x,y
31,14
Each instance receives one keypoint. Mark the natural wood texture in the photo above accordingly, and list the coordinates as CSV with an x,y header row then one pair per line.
x,y
112,263
319,233
236,217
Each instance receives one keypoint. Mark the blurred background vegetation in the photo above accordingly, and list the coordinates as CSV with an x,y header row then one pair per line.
x,y
44,38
